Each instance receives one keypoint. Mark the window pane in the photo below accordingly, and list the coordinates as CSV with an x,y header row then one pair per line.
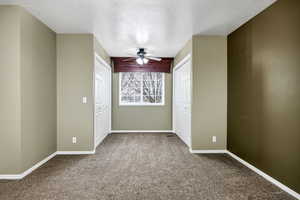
x,y
148,99
159,76
149,87
148,76
159,87
131,99
130,87
124,99
158,99
137,88
138,99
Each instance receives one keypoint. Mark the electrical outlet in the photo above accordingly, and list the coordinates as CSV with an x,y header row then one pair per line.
x,y
214,139
84,100
74,140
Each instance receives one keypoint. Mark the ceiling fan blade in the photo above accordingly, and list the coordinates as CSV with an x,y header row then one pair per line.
x,y
129,59
132,54
153,58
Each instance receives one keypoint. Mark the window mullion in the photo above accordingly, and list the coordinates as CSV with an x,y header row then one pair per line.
x,y
155,89
142,87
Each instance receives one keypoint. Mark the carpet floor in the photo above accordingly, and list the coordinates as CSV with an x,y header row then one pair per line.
x,y
140,166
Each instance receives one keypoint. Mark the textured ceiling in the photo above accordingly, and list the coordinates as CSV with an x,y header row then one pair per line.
x,y
161,26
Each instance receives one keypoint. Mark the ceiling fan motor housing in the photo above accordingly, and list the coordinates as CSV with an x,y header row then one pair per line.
x,y
141,53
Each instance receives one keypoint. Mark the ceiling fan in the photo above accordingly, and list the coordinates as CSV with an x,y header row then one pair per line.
x,y
142,57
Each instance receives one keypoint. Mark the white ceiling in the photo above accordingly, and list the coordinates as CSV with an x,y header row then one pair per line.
x,y
162,26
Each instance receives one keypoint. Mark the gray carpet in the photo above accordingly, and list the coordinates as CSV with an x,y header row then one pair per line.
x,y
142,166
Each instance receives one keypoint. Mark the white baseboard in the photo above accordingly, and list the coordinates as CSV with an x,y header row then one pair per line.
x,y
266,176
37,165
261,173
100,140
11,176
207,151
142,131
183,140
28,171
75,152
256,170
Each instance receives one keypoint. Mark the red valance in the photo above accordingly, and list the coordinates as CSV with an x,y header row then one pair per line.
x,y
121,64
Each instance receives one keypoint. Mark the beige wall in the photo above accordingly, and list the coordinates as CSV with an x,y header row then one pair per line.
x,y
209,86
74,81
142,117
75,67
101,51
186,50
209,90
10,101
43,78
27,81
38,90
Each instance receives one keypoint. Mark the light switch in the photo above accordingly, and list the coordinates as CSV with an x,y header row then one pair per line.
x,y
84,100
74,140
214,139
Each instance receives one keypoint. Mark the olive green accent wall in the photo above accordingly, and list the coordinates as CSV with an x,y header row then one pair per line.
x,y
209,92
142,117
28,83
75,67
264,93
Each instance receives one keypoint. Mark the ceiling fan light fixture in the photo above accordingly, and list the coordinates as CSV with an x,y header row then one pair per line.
x,y
140,61
145,60
141,58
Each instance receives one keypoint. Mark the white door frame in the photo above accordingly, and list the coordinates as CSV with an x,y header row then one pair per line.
x,y
107,66
180,64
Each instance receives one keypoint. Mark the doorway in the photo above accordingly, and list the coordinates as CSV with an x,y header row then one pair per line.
x,y
182,100
102,95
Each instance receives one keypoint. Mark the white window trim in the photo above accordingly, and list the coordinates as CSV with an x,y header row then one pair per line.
x,y
142,103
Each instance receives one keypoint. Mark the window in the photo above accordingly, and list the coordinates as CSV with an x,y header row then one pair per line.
x,y
141,88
